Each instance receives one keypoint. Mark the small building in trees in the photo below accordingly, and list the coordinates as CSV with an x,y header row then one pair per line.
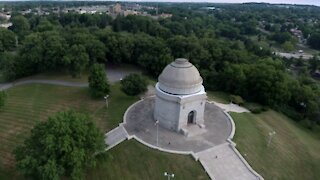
x,y
180,97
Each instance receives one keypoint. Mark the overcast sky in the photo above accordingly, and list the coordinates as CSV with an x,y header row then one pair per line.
x,y
310,2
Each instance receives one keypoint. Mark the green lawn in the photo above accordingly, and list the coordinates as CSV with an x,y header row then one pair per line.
x,y
292,154
28,104
64,76
131,160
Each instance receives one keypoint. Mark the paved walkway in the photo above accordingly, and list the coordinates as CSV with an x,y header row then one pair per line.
x,y
231,107
114,74
115,136
223,162
213,147
5,86
139,122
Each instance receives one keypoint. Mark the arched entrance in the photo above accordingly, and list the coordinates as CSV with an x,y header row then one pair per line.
x,y
191,117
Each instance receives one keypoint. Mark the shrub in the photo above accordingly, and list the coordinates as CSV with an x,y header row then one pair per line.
x,y
98,82
134,84
236,99
255,108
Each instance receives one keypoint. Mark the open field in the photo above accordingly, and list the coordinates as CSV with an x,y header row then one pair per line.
x,y
28,104
64,76
131,160
292,154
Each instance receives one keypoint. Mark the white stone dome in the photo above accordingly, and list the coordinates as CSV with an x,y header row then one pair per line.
x,y
180,78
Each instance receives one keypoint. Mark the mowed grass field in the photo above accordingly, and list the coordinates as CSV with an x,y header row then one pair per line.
x,y
131,160
28,104
292,154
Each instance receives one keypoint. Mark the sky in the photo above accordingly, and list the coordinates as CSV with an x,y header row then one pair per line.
x,y
308,2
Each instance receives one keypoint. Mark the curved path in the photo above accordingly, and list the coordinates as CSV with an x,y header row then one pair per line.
x,y
5,86
113,73
213,147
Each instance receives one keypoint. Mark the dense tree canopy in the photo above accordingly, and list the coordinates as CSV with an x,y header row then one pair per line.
x,y
62,146
98,83
314,40
7,40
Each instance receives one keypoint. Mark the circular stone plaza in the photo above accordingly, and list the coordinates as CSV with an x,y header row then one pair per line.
x,y
179,119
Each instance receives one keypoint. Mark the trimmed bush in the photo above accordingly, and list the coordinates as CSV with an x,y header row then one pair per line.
x,y
236,100
98,82
134,84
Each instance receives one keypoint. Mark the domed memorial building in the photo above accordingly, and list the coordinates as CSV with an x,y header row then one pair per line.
x,y
180,97
178,119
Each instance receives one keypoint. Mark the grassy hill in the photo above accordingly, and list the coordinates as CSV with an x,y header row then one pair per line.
x,y
292,154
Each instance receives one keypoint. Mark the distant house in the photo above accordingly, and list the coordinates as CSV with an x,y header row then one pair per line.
x,y
298,34
116,9
6,25
130,12
5,16
164,15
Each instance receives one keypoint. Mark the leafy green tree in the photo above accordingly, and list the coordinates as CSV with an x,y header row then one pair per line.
x,y
314,40
96,51
233,79
236,99
98,82
7,66
134,84
55,47
65,145
314,63
20,25
94,48
31,55
288,46
7,40
3,98
281,37
119,46
45,25
76,59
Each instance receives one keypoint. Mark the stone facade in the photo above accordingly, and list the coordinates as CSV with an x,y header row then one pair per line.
x,y
175,110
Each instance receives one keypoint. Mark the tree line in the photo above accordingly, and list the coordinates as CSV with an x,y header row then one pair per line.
x,y
219,47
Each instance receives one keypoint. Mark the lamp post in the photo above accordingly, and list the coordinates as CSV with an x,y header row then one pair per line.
x,y
169,175
157,124
106,98
271,134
